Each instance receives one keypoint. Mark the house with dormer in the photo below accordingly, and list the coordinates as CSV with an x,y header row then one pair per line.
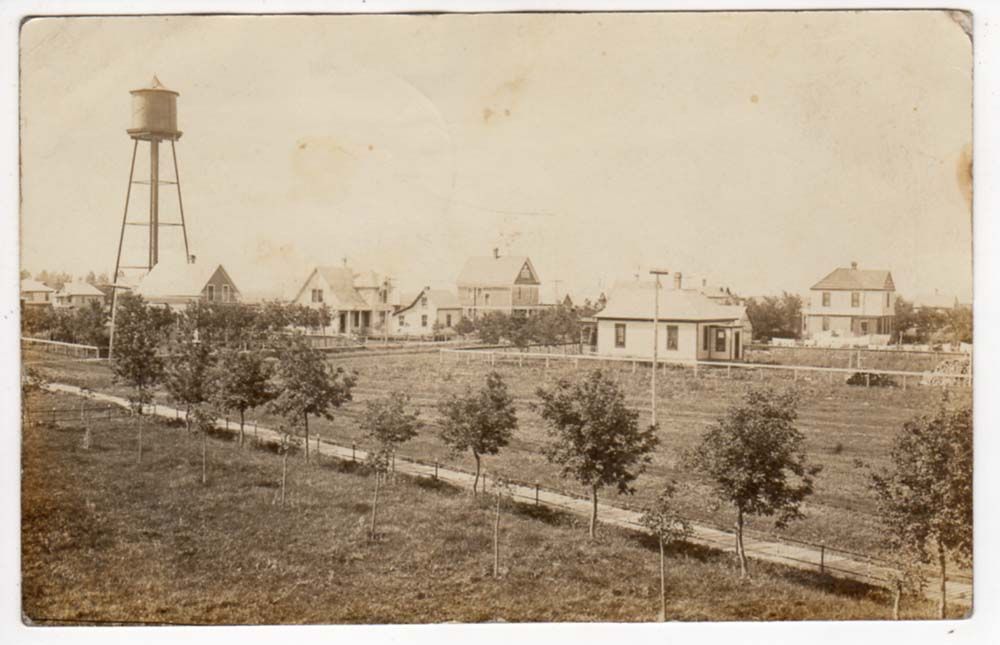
x,y
357,301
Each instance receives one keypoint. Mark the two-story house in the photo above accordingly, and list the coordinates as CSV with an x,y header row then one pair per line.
x,y
357,301
506,284
36,294
851,302
74,295
418,313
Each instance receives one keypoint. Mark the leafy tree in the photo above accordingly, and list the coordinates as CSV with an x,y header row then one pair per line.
x,y
754,459
242,381
493,327
91,278
464,326
32,381
926,498
188,371
596,438
307,385
135,362
388,423
663,520
481,422
776,316
25,275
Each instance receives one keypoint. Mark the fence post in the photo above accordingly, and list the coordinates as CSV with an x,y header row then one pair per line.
x,y
868,379
536,493
353,447
795,374
435,469
904,382
760,373
546,362
729,371
822,558
317,448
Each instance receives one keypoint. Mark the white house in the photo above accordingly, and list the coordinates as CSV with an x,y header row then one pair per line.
x,y
418,313
356,300
175,284
851,302
78,294
691,327
36,294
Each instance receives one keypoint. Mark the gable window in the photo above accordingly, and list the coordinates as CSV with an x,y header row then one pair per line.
x,y
619,335
672,337
526,273
423,301
826,323
855,299
402,321
317,295
826,298
720,340
225,293
423,320
210,292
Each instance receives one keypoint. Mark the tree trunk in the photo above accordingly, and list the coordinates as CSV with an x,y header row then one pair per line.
x,y
187,418
663,585
306,417
242,422
739,543
943,606
140,435
284,473
896,595
374,507
496,538
593,512
475,482
204,456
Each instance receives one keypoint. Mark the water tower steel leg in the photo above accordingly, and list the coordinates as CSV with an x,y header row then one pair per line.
x,y
180,203
118,258
154,202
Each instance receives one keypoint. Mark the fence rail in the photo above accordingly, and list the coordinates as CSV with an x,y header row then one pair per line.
x,y
59,347
493,356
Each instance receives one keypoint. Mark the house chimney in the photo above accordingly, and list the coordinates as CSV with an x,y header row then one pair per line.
x,y
854,266
677,280
496,253
192,258
704,282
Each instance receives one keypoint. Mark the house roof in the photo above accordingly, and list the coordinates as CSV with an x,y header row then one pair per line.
x,y
29,285
635,301
442,299
80,289
494,271
853,279
368,280
341,282
176,280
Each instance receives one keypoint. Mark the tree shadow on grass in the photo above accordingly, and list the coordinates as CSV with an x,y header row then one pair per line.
x,y
546,514
678,549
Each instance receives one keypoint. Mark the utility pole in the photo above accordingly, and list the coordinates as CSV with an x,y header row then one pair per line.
x,y
656,333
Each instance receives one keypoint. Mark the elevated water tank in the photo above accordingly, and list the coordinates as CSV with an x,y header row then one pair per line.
x,y
154,113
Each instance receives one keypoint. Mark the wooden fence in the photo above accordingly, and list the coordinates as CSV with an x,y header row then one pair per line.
x,y
520,358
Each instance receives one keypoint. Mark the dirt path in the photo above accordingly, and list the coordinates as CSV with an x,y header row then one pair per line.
x,y
800,557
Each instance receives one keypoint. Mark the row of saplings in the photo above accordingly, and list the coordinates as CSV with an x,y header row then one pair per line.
x,y
753,457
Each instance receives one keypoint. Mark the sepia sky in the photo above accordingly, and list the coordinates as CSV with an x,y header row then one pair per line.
x,y
759,149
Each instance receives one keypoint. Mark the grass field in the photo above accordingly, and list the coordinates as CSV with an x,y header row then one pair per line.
x,y
107,540
848,358
842,424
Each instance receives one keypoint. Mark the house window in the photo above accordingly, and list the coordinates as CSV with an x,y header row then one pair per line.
x,y
486,299
317,295
826,323
423,320
447,320
423,301
864,327
855,299
706,338
225,293
210,291
619,335
672,337
384,295
826,298
402,321
720,340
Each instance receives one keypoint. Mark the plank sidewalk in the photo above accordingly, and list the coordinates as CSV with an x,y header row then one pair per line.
x,y
797,556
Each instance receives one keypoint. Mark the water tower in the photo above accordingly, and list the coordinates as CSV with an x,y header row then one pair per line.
x,y
154,119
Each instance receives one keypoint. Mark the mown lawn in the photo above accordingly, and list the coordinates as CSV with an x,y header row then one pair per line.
x,y
843,424
105,539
